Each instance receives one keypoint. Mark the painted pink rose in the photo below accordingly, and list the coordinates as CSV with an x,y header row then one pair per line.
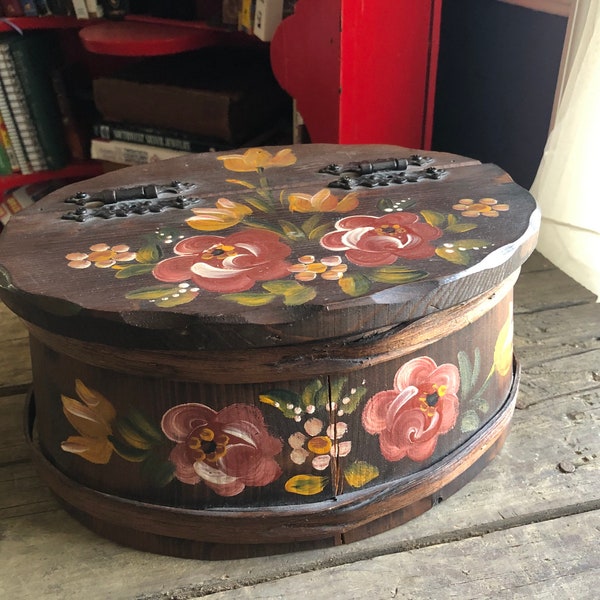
x,y
421,407
227,450
233,263
376,241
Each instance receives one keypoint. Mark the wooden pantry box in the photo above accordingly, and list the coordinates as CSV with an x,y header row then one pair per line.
x,y
271,349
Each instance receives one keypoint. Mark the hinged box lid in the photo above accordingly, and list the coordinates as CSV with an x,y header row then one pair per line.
x,y
265,246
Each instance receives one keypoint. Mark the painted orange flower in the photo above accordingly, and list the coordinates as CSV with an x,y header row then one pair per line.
x,y
322,201
422,406
227,450
92,416
225,215
257,159
102,256
308,268
486,207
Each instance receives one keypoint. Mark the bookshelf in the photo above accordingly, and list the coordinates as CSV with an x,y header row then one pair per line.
x,y
346,88
75,170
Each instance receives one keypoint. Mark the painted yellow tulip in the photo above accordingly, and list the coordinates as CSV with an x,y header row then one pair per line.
x,y
226,214
257,159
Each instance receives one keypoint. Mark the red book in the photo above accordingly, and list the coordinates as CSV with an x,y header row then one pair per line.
x,y
12,8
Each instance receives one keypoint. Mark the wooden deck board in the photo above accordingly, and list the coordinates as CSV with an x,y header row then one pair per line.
x,y
522,528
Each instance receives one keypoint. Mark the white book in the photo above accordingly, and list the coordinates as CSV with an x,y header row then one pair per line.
x,y
127,153
267,16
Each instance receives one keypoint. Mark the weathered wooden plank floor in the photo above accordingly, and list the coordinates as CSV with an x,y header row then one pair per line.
x,y
527,527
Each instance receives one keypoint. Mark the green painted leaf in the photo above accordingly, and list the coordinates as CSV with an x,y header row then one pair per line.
x,y
310,224
336,387
461,227
466,374
282,286
306,485
353,399
158,471
388,205
139,421
469,422
299,296
433,218
177,299
261,225
355,284
151,293
284,400
318,232
453,255
293,292
250,298
292,231
322,397
476,367
396,274
360,473
128,452
483,406
134,270
149,254
309,393
258,203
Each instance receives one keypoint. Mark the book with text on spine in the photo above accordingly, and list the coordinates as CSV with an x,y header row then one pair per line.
x,y
153,136
17,115
34,58
126,153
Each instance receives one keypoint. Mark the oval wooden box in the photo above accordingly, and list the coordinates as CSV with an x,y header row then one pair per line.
x,y
246,353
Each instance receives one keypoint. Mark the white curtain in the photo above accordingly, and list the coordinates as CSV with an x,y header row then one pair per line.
x,y
567,184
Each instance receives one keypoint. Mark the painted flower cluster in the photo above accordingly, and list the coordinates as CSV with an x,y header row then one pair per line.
x,y
239,447
250,252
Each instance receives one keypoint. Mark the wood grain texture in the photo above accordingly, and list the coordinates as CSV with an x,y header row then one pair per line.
x,y
15,362
47,554
91,304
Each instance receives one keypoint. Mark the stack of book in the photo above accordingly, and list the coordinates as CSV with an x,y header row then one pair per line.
x,y
82,9
205,100
32,133
14,200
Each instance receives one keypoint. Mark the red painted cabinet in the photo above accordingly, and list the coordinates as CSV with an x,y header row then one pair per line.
x,y
361,72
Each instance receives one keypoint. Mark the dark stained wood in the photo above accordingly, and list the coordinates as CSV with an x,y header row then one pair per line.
x,y
269,531
90,305
526,524
259,400
15,362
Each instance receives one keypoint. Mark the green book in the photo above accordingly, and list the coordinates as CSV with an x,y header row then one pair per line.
x,y
5,166
34,58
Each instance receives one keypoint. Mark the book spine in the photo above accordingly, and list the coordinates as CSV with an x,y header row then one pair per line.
x,y
33,64
126,153
80,7
43,8
29,8
94,8
8,145
267,16
12,129
246,17
12,8
20,112
5,166
151,136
